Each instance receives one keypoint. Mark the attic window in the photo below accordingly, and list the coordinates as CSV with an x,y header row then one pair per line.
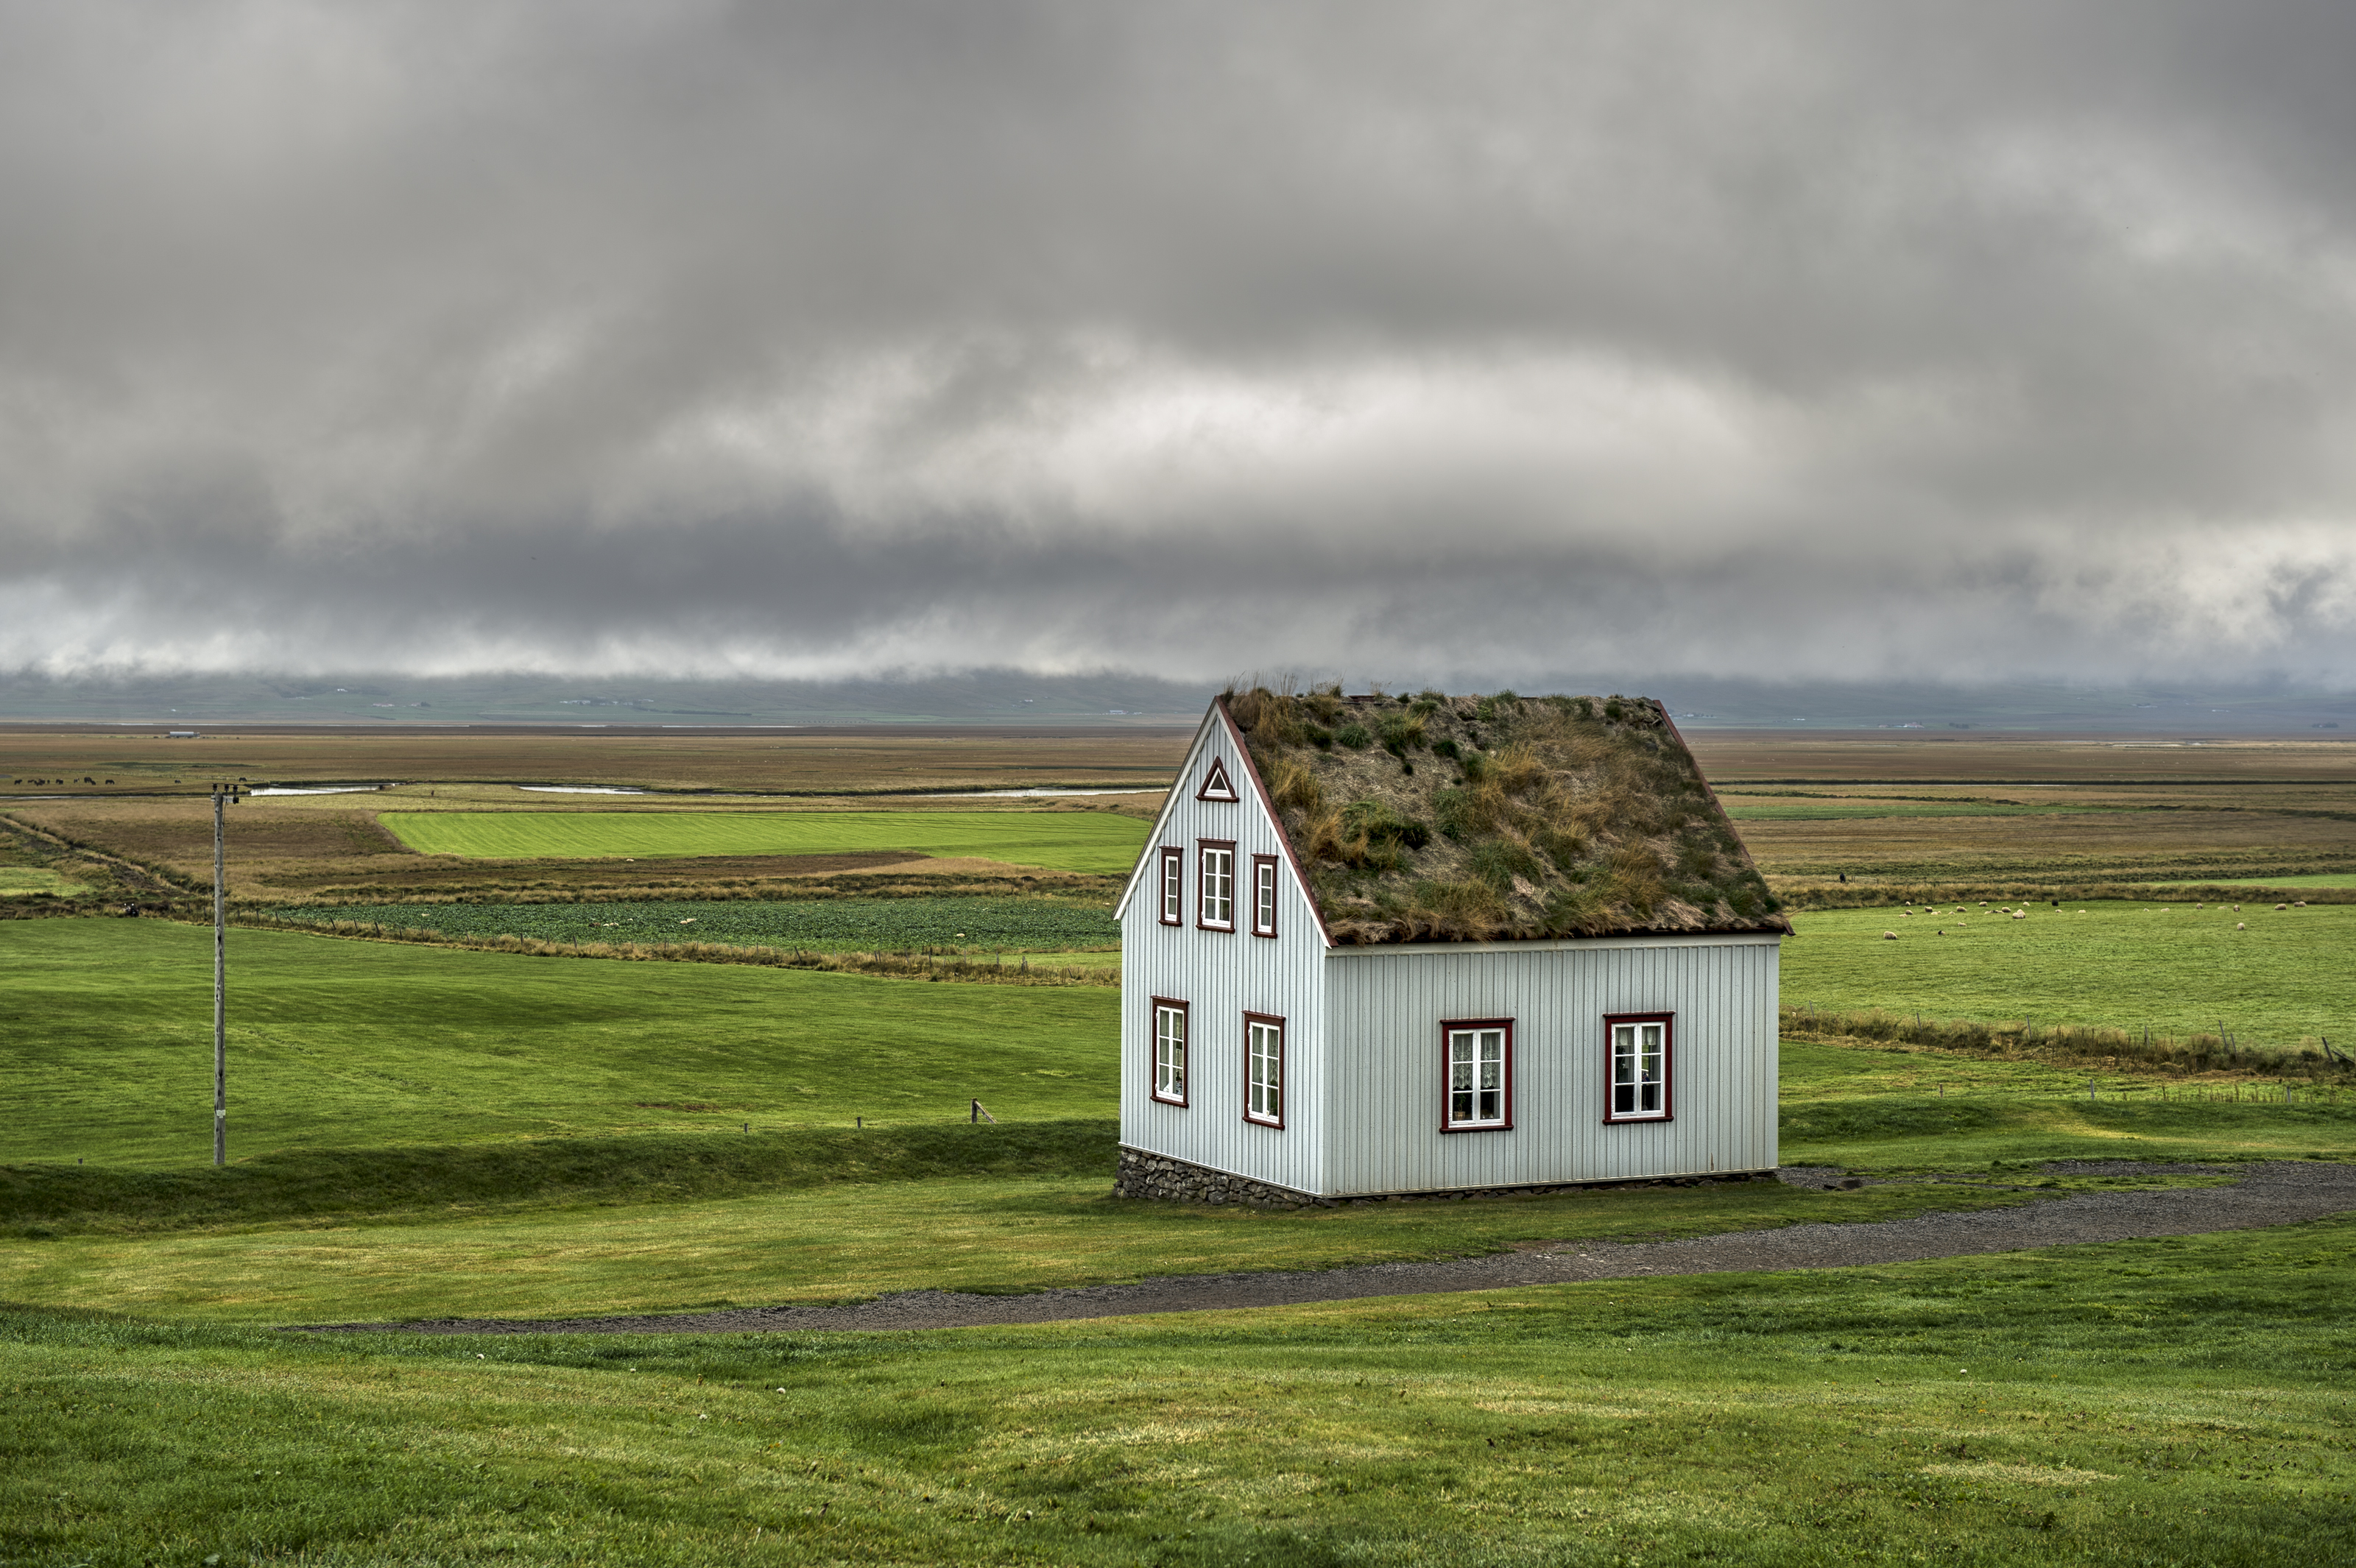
x,y
1216,784
1636,1086
1263,895
1174,883
1215,885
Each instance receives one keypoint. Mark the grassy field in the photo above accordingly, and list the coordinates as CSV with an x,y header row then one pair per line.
x,y
1103,843
345,1044
14,880
2174,1402
543,1136
967,924
485,1133
2172,967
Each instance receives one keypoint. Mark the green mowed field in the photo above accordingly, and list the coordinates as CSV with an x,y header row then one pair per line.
x,y
1097,842
822,925
22,880
2170,967
2180,1401
107,1026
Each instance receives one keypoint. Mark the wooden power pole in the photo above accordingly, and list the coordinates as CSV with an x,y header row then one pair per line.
x,y
222,795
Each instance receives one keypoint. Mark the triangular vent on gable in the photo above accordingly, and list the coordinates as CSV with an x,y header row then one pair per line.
x,y
1216,784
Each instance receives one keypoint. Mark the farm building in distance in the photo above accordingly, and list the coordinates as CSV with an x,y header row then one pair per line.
x,y
1383,946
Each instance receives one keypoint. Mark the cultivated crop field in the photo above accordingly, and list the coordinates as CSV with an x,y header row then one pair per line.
x,y
971,924
1102,843
698,758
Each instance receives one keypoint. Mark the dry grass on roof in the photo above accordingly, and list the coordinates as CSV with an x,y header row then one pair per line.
x,y
1479,818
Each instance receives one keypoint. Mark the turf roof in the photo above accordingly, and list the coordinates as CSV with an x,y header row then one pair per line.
x,y
1444,819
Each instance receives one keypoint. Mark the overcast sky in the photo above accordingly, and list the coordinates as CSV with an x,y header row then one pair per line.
x,y
1457,342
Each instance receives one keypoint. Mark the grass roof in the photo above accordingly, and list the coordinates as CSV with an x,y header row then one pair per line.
x,y
1444,819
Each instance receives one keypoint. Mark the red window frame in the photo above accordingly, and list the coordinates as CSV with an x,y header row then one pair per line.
x,y
1185,1051
1448,1122
1668,1022
1265,865
1172,892
1282,1090
1204,847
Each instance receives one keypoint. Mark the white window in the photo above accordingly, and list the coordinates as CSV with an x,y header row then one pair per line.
x,y
1478,1062
1264,1070
1169,1051
1217,911
1174,880
1639,1086
1215,784
1263,895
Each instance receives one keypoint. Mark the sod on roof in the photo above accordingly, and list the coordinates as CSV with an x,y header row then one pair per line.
x,y
1436,819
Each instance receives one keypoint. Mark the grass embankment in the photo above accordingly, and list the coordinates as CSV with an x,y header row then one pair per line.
x,y
365,1044
1101,842
2178,970
2179,1400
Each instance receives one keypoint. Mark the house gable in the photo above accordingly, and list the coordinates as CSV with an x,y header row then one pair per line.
x,y
1207,761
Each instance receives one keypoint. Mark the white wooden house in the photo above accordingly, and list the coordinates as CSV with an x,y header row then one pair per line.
x,y
1393,945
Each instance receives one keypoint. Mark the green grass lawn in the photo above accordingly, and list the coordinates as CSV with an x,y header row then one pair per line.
x,y
107,1026
1098,842
22,880
2123,964
824,925
2173,1401
425,1132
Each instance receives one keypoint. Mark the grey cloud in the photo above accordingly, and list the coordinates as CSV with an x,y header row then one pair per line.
x,y
1861,341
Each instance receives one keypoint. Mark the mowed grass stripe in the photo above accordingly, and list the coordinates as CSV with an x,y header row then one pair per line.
x,y
1097,842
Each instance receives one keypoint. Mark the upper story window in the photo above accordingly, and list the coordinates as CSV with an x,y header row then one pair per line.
x,y
1263,895
1217,785
1477,1067
1174,885
1215,887
1264,1070
1169,1051
1637,1083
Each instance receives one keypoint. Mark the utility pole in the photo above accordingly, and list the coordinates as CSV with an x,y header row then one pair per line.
x,y
229,795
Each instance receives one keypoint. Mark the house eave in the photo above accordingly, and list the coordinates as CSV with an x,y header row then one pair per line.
x,y
1632,939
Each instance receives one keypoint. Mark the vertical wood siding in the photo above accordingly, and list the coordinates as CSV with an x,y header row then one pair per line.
x,y
1223,975
1383,1049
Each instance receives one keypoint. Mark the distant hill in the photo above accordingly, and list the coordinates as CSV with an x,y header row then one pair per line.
x,y
995,697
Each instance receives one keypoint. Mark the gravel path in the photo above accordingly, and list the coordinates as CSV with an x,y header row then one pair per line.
x,y
2274,1193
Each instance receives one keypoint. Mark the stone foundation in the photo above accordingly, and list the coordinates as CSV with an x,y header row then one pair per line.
x,y
1166,1179
1142,1175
